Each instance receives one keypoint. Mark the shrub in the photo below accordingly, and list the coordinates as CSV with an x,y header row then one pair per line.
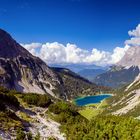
x,y
9,99
36,99
20,135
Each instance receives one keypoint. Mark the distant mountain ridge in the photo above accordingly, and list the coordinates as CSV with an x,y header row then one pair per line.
x,y
117,78
124,72
88,71
90,74
78,67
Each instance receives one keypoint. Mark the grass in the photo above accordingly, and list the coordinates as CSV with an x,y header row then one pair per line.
x,y
19,97
91,110
92,105
7,122
89,113
25,117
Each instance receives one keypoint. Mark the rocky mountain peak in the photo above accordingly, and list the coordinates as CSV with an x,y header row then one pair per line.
x,y
21,70
131,58
9,48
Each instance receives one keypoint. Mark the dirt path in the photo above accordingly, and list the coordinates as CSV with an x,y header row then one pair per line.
x,y
45,127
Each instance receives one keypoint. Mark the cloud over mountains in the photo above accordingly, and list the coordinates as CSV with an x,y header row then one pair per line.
x,y
57,53
135,40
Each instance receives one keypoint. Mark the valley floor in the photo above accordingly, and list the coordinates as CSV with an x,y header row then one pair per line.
x,y
91,110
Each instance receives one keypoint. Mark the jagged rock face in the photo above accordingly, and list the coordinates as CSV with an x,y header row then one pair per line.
x,y
9,48
21,70
131,58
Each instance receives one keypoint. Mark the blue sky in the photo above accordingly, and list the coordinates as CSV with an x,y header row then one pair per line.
x,y
101,24
88,23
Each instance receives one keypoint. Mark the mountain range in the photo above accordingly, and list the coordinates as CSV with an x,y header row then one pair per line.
x,y
125,78
90,74
78,67
88,71
22,71
123,72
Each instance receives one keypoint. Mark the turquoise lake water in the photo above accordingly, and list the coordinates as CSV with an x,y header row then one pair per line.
x,y
91,99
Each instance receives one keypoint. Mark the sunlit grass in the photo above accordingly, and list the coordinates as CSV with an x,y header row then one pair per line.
x,y
7,122
92,110
25,117
89,113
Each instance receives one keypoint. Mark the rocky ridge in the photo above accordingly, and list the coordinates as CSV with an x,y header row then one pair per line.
x,y
21,70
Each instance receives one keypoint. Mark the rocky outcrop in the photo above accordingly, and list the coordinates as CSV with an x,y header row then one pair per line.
x,y
131,58
27,74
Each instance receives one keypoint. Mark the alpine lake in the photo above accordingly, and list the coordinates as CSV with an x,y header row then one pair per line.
x,y
91,106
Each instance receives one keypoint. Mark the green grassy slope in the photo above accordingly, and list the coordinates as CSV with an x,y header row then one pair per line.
x,y
73,124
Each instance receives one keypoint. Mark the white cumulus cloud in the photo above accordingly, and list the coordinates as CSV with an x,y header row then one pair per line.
x,y
32,47
118,53
56,53
135,40
53,52
135,32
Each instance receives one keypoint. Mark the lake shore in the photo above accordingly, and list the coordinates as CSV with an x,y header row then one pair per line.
x,y
91,100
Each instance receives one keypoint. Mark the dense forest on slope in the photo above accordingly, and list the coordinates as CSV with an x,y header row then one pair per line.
x,y
75,85
108,127
75,126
